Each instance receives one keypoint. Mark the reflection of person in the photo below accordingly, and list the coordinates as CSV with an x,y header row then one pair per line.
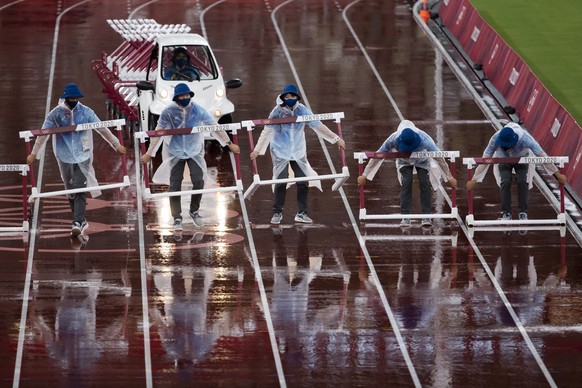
x,y
74,150
288,149
408,138
181,69
185,149
513,141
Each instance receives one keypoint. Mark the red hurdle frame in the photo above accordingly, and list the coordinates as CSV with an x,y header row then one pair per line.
x,y
340,179
471,162
362,156
117,124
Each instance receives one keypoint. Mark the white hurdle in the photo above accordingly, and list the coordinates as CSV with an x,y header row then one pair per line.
x,y
142,136
362,156
340,179
23,169
559,220
117,124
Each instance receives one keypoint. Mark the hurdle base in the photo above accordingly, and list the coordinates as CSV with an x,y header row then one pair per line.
x,y
253,187
559,220
340,181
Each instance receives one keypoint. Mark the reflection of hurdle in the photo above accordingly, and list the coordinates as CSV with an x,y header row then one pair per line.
x,y
23,169
451,155
470,162
141,136
340,179
28,135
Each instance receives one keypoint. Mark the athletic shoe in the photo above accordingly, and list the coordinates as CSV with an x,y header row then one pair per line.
x,y
276,219
177,224
426,222
78,228
523,216
405,222
197,219
506,217
303,218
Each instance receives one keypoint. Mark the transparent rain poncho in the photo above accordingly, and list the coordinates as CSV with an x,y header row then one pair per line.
x,y
74,147
190,146
437,170
287,141
526,146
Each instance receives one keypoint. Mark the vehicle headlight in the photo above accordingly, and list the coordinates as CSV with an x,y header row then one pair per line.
x,y
163,93
219,93
217,113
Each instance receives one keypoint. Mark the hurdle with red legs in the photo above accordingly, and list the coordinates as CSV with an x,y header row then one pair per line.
x,y
142,136
117,124
23,169
450,155
471,162
340,179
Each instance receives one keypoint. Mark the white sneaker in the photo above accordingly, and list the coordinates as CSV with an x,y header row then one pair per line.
x,y
506,217
523,216
303,218
426,222
198,222
277,218
78,228
177,224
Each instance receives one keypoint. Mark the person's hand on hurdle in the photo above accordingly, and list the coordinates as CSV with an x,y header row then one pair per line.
x,y
453,182
561,178
254,155
471,184
234,148
145,158
341,143
361,180
30,158
121,149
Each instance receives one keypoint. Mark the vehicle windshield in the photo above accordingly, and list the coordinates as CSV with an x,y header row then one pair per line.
x,y
187,63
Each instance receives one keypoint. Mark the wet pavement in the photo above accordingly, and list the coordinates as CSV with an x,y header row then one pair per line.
x,y
240,302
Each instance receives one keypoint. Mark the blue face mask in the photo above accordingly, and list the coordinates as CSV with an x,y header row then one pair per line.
x,y
71,104
183,102
290,103
181,61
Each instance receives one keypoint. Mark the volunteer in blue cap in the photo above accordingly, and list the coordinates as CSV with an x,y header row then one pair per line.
x,y
288,148
184,149
408,138
74,150
513,141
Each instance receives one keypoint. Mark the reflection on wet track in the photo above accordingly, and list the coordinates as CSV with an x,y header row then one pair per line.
x,y
244,302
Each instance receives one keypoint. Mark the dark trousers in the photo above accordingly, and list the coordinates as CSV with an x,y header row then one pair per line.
x,y
281,190
176,178
406,190
75,179
505,172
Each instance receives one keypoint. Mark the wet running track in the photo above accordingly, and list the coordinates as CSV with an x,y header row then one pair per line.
x,y
242,303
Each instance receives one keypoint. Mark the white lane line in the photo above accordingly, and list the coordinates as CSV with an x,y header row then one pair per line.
x,y
361,241
132,14
202,24
34,222
143,273
9,4
262,292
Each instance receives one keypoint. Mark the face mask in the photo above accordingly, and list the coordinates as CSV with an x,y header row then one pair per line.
x,y
71,104
181,61
183,102
290,103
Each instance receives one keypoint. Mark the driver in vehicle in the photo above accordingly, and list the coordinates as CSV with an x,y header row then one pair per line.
x,y
181,69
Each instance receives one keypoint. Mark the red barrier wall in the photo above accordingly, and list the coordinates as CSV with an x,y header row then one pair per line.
x,y
543,116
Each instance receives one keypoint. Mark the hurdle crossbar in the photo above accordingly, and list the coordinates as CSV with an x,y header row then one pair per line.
x,y
142,136
23,169
340,179
471,162
450,155
117,124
